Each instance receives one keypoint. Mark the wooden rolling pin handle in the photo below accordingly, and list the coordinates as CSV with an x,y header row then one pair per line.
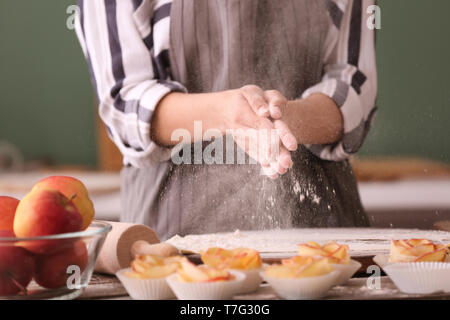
x,y
162,249
116,251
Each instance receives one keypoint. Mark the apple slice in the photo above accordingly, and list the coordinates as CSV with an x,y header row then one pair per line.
x,y
188,272
335,252
331,247
438,255
157,271
140,266
399,248
341,254
316,268
299,267
297,260
216,274
193,272
418,242
216,257
310,250
422,249
281,271
245,259
403,243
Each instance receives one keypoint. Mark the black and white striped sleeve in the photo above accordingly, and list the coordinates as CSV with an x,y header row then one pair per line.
x,y
126,45
350,76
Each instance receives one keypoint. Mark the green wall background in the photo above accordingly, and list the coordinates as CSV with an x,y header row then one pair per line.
x,y
47,108
413,56
47,104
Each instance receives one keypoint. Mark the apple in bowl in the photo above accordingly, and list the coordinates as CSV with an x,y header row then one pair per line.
x,y
42,213
8,206
16,266
52,269
73,189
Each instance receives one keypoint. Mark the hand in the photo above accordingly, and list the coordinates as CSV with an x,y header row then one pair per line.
x,y
246,112
271,104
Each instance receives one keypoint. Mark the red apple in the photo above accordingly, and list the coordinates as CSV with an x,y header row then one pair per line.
x,y
51,270
8,208
71,188
16,266
45,212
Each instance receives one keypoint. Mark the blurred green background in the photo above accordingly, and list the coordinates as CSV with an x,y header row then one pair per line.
x,y
47,103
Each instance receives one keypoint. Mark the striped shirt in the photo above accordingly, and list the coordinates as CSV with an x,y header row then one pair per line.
x,y
126,44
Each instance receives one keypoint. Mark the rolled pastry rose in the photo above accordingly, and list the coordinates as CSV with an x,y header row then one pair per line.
x,y
299,267
334,252
240,258
417,250
152,267
189,272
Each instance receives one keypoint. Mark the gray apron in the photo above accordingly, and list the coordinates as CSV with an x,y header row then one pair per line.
x,y
225,44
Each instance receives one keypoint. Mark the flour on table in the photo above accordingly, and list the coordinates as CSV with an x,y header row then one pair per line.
x,y
362,241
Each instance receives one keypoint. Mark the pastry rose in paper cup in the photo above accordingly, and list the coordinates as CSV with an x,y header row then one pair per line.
x,y
417,250
244,260
300,278
146,279
193,282
417,266
337,255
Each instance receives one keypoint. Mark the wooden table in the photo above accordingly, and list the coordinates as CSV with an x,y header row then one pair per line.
x,y
109,287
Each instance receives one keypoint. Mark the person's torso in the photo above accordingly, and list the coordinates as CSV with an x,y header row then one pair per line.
x,y
226,44
219,45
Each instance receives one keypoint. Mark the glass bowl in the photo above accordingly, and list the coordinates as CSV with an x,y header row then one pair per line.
x,y
60,265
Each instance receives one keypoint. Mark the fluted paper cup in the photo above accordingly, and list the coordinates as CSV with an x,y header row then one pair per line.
x,y
252,280
302,288
420,277
214,290
145,289
346,271
382,260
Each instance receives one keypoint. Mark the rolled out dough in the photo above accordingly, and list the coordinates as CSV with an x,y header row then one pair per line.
x,y
362,241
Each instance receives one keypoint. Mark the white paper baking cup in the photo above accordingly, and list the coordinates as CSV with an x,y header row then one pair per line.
x,y
215,290
417,277
420,277
302,288
346,271
252,280
381,260
145,289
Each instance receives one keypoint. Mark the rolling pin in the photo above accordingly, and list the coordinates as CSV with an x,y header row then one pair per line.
x,y
124,241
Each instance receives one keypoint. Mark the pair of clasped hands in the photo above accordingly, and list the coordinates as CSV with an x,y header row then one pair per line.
x,y
254,109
